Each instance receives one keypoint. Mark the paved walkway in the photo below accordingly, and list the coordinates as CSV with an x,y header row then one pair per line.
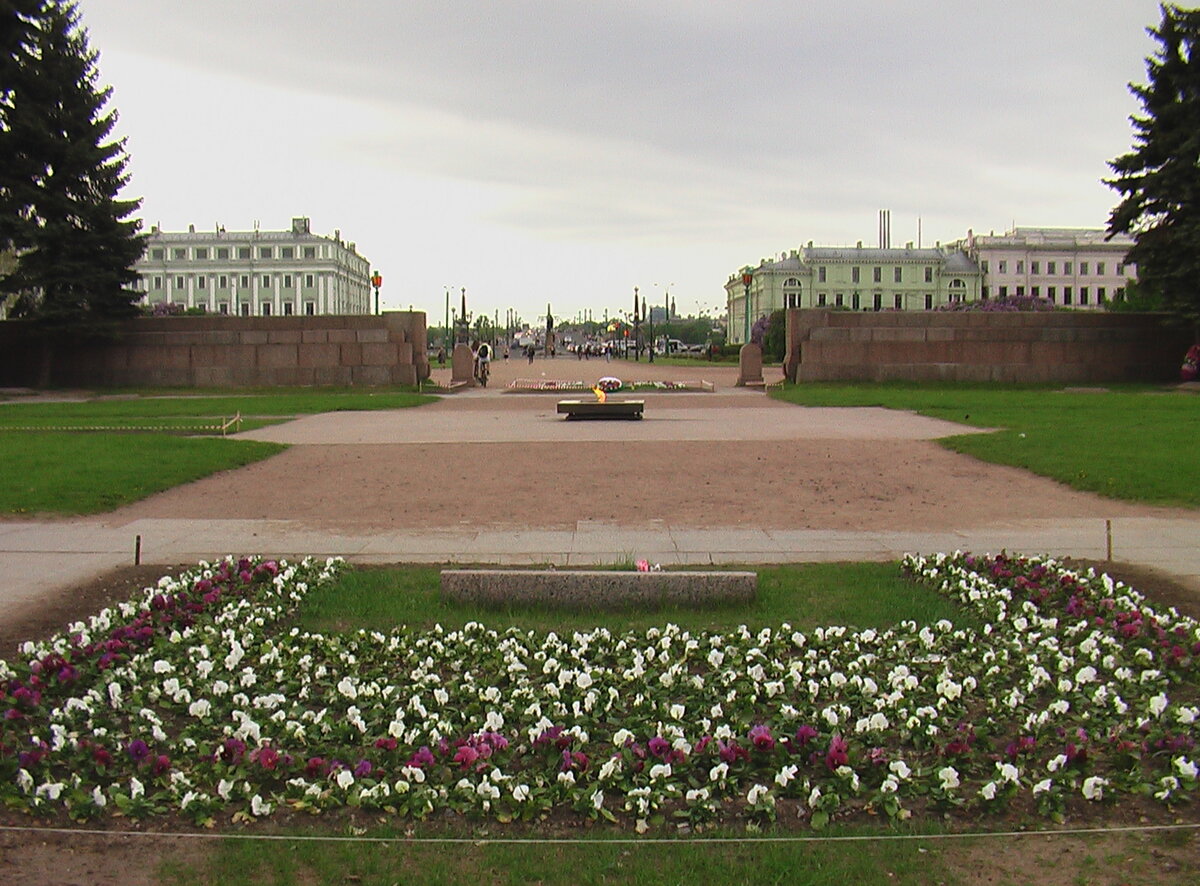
x,y
37,558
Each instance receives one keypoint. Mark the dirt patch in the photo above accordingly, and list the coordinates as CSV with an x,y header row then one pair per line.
x,y
80,859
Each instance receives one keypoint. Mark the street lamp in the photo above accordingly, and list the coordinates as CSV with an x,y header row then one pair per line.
x,y
376,281
637,321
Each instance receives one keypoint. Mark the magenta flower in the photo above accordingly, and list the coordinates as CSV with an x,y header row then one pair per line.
x,y
805,734
362,769
658,746
138,750
761,738
466,756
421,759
838,753
161,765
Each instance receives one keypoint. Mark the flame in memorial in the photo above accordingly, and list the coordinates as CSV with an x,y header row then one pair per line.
x,y
600,395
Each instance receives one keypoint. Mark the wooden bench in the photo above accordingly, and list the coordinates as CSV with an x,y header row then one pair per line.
x,y
578,409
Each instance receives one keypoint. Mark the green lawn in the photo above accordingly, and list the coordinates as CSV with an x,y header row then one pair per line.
x,y
1132,443
806,595
86,472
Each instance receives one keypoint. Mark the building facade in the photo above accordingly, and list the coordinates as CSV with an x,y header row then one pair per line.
x,y
854,278
255,273
1073,267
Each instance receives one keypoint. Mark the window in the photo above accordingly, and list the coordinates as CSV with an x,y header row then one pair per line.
x,y
1020,290
1066,295
287,309
1083,295
308,280
201,254
1120,269
984,293
266,281
1051,267
854,303
1020,266
1067,268
898,302
928,302
898,275
1035,267
201,281
821,275
1051,291
1099,269
287,281
245,309
310,252
179,284
1002,267
821,300
223,282
929,275
157,254
1101,295
158,282
266,309
310,308
179,254
878,301
223,307
287,252
243,252
1036,292
855,274
1083,266
879,275
264,252
1004,292
245,284
222,253
837,300
1119,294
984,266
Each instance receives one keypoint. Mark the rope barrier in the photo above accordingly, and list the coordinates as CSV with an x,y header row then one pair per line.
x,y
223,427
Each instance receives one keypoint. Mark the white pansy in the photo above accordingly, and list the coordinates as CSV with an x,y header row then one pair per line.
x,y
344,779
988,791
1186,767
1093,787
948,776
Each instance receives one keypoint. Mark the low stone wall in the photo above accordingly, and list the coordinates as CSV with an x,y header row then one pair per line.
x,y
596,589
1051,346
219,351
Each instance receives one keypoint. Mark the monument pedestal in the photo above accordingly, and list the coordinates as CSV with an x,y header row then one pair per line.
x,y
462,366
750,366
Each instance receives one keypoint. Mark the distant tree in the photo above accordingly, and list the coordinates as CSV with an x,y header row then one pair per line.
x,y
60,176
1160,178
1137,298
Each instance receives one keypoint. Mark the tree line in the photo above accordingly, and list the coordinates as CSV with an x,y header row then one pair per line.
x,y
69,242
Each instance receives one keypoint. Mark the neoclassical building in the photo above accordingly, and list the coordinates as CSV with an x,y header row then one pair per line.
x,y
1075,267
256,273
855,278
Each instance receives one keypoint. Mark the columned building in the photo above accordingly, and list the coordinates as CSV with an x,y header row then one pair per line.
x,y
255,273
1073,267
853,278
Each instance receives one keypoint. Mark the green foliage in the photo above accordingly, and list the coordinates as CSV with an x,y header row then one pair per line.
x,y
60,179
1138,298
775,337
1140,442
807,595
1159,180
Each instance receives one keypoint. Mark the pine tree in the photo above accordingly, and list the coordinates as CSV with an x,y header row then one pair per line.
x,y
59,201
1160,178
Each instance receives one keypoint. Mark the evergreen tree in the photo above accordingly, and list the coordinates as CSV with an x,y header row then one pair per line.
x,y
1160,178
58,192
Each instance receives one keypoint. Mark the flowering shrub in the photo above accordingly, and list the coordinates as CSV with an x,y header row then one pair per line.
x,y
197,699
1001,304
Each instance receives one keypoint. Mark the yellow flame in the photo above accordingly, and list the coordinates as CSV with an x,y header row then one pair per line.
x,y
600,395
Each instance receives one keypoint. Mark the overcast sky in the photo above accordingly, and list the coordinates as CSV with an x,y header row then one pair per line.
x,y
565,151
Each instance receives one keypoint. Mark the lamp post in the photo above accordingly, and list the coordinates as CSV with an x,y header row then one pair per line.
x,y
746,280
637,322
376,281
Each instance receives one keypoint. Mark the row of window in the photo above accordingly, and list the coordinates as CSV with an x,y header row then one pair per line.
x,y
856,275
839,300
1035,267
223,281
1068,295
243,309
224,253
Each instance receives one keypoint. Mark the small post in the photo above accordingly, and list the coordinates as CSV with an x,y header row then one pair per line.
x,y
1108,541
137,550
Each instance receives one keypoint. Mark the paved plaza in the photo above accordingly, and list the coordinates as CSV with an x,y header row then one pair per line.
x,y
492,429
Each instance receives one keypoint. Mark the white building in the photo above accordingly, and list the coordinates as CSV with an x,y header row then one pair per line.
x,y
1075,267
255,273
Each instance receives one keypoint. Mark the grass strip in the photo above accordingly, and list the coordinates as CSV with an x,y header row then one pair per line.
x,y
65,473
805,595
1133,443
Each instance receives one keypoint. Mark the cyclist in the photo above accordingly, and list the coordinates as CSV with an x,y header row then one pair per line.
x,y
483,360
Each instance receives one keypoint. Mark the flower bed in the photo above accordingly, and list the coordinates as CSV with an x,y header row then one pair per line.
x,y
197,699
